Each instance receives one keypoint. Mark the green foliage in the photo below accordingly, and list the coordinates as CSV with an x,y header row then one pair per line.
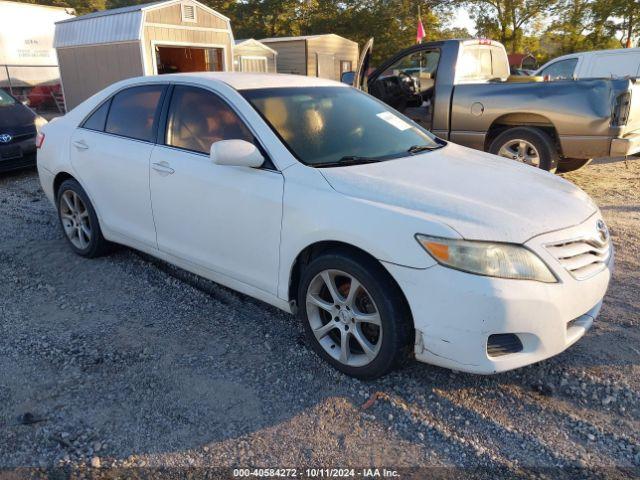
x,y
620,18
508,20
549,28
545,28
393,23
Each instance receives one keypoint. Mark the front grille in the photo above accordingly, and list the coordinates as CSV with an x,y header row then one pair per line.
x,y
22,136
503,344
582,258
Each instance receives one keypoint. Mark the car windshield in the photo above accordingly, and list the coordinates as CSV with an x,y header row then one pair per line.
x,y
334,126
6,99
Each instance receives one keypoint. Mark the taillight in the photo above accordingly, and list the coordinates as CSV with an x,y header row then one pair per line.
x,y
39,140
620,115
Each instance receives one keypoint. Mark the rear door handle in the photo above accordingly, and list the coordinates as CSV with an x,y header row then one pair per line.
x,y
162,168
80,144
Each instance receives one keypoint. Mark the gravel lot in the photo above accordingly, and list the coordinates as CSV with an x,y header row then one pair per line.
x,y
124,361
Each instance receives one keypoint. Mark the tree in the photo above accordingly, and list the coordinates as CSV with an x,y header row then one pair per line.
x,y
81,6
508,20
577,28
619,17
392,23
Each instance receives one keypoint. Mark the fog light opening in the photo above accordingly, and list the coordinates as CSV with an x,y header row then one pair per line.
x,y
501,344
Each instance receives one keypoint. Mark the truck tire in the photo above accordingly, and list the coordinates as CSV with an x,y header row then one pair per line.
x,y
528,145
572,164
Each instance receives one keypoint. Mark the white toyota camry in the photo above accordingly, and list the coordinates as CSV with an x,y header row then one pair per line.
x,y
317,198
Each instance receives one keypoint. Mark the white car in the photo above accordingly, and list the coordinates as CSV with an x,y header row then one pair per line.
x,y
319,199
617,63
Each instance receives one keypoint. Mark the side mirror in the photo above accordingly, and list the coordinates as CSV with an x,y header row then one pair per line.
x,y
348,78
236,153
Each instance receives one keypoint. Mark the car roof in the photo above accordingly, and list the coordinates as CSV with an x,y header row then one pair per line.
x,y
249,81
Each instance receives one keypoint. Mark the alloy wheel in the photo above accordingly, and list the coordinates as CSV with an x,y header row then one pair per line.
x,y
75,219
522,151
344,318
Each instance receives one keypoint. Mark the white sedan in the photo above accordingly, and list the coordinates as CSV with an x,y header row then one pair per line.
x,y
317,198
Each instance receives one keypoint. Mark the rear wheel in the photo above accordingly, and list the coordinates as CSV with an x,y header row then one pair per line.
x,y
79,221
354,315
571,164
527,145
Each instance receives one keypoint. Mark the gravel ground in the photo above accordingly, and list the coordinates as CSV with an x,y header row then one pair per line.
x,y
124,361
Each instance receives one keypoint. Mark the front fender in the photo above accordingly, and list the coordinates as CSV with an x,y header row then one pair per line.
x,y
314,212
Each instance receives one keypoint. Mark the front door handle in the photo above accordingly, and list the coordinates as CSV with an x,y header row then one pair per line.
x,y
80,144
163,168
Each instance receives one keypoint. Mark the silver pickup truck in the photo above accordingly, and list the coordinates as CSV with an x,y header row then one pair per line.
x,y
461,90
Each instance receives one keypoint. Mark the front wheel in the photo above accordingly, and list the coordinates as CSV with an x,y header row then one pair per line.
x,y
354,315
527,145
572,164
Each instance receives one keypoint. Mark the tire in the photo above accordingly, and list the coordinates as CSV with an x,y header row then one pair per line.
x,y
77,217
389,343
572,164
545,148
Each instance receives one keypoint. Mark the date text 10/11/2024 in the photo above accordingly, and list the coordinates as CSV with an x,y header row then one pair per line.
x,y
315,473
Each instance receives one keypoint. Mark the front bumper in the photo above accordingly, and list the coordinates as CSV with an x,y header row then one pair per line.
x,y
455,312
627,145
18,154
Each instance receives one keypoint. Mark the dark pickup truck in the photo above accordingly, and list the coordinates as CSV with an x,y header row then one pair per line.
x,y
462,91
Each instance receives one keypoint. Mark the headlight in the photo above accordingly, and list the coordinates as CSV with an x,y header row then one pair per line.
x,y
40,122
503,260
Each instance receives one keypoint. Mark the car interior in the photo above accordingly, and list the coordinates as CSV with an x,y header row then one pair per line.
x,y
408,85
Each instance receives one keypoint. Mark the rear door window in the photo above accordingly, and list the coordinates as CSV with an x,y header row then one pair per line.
x,y
134,112
560,70
98,118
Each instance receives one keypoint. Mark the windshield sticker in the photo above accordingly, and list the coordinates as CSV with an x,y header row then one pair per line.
x,y
391,119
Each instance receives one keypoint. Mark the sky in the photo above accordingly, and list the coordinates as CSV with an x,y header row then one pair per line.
x,y
463,20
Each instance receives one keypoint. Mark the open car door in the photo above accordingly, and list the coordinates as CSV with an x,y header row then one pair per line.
x,y
360,79
406,81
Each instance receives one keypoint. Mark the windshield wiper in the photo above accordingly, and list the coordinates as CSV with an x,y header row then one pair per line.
x,y
348,160
423,148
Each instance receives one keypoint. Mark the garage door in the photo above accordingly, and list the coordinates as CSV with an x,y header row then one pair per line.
x,y
254,64
326,66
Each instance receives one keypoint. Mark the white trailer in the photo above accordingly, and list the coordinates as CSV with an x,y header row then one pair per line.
x,y
28,61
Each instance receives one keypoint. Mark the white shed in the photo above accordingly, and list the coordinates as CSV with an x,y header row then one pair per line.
x,y
168,36
253,56
326,55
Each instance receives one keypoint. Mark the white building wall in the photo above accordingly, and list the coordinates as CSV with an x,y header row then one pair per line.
x,y
26,33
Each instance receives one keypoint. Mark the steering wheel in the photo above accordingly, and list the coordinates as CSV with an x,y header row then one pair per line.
x,y
407,83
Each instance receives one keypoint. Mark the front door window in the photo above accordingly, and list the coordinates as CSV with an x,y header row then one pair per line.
x,y
198,118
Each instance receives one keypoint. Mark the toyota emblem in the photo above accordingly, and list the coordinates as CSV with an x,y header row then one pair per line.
x,y
5,138
603,231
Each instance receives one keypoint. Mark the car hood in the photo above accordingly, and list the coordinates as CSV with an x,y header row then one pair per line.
x,y
15,119
481,196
